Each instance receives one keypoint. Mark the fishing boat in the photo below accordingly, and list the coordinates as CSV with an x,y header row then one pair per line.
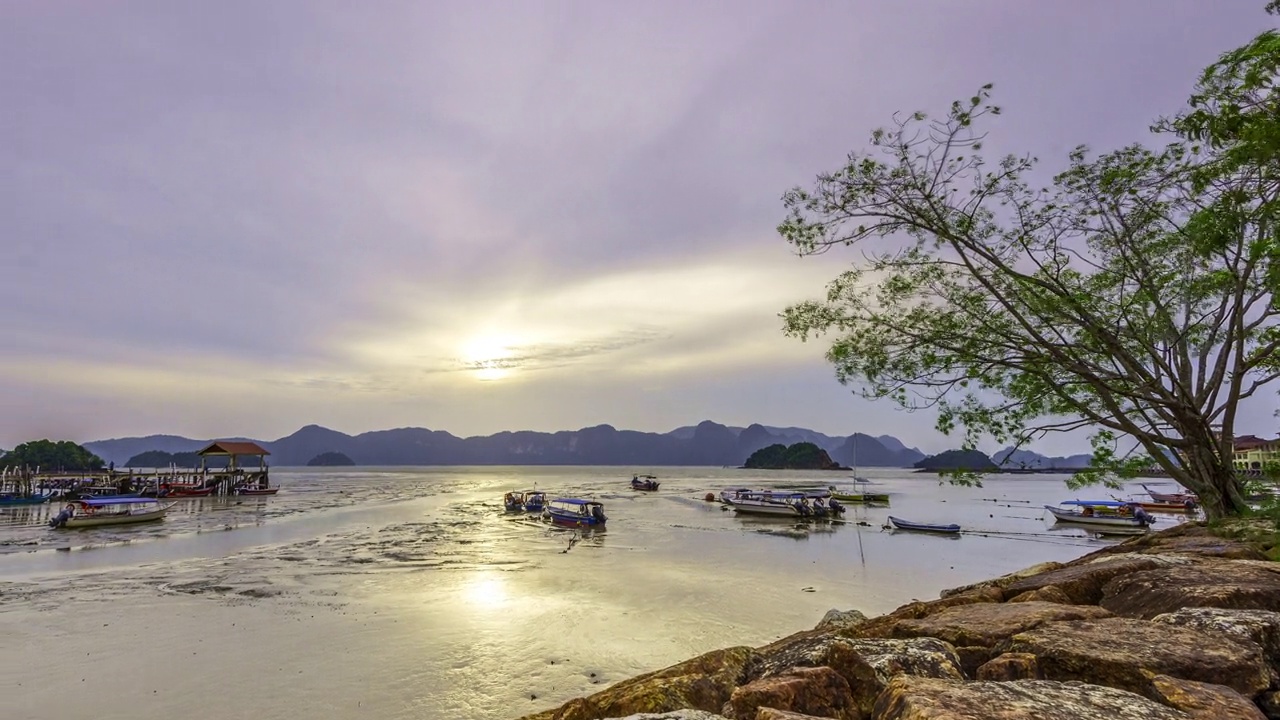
x,y
861,497
513,501
95,512
575,512
1086,516
252,491
534,500
901,524
762,505
1179,498
647,483
11,499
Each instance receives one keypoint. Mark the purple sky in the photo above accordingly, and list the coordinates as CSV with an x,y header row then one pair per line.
x,y
235,218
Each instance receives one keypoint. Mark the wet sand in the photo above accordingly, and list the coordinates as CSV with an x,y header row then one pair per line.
x,y
419,598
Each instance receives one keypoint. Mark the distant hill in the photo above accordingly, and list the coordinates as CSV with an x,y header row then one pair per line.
x,y
801,456
1028,460
706,444
330,459
957,460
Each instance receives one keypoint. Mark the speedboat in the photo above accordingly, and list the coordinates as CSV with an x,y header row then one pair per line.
x,y
648,483
255,491
1088,516
781,504
94,512
575,512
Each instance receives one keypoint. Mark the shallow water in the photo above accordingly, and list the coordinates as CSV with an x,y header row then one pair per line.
x,y
408,593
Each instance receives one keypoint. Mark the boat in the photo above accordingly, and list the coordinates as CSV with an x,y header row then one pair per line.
x,y
862,497
513,501
1179,498
901,524
96,512
185,491
783,504
575,512
534,500
761,505
1086,516
255,491
11,499
647,483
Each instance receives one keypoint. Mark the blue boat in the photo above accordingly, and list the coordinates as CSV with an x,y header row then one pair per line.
x,y
33,499
647,483
574,512
534,501
924,527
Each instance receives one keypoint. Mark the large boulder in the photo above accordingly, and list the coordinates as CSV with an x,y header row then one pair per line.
x,y
676,715
987,624
1203,701
1260,626
835,619
1003,581
768,713
703,683
1125,653
882,627
1082,584
1234,584
1190,539
1048,593
867,665
910,698
1269,703
1008,667
811,691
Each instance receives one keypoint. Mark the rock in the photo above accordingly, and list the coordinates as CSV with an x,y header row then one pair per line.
x,y
676,715
987,624
866,665
1260,626
1004,581
1203,701
909,698
1082,584
703,683
1125,653
768,713
1234,584
1048,593
882,627
973,657
840,618
810,690
1269,703
1009,667
1190,539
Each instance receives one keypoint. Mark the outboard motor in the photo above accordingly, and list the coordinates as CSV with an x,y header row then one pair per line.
x,y
597,512
836,507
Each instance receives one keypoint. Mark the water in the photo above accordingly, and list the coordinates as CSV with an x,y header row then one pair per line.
x,y
408,593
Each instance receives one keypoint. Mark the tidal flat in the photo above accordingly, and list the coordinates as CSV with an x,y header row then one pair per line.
x,y
409,593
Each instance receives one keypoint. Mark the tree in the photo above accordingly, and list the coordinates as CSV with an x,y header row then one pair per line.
x,y
62,455
1133,297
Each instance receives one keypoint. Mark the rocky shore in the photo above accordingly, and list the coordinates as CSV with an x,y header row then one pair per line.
x,y
1177,625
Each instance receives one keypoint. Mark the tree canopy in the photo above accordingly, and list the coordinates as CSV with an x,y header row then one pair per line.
x,y
800,456
49,455
1133,296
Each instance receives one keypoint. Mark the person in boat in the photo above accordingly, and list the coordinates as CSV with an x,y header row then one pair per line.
x,y
597,512
1141,515
1087,511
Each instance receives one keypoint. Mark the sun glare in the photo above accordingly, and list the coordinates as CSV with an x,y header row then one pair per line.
x,y
489,358
488,590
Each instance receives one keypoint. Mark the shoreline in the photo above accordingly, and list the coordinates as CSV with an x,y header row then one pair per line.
x,y
1174,625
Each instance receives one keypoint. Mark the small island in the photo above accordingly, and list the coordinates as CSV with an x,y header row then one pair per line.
x,y
973,460
801,456
330,459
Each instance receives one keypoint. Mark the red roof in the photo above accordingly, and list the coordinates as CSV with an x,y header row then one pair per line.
x,y
227,447
1249,442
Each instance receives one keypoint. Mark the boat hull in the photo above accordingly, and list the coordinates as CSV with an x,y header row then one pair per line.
x,y
573,520
862,497
764,507
901,524
1096,520
258,491
104,520
12,501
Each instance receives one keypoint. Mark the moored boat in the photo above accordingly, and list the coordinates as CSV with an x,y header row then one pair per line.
x,y
901,524
783,504
1179,498
255,491
575,512
513,501
95,512
861,497
1087,516
534,500
21,499
647,483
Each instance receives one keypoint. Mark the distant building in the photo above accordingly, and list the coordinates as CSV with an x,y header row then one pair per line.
x,y
1254,454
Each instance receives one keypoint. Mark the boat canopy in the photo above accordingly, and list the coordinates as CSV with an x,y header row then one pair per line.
x,y
98,501
575,501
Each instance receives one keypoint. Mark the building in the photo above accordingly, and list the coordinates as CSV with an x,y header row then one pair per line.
x,y
1254,454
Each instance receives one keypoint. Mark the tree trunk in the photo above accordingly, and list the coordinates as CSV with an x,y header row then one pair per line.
x,y
1212,478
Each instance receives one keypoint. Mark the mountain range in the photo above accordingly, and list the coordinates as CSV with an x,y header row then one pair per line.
x,y
707,443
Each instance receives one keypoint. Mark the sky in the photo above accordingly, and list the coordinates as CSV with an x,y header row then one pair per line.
x,y
241,217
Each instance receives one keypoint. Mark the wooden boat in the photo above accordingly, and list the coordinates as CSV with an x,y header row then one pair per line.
x,y
648,483
256,491
17,499
513,501
863,497
1178,498
96,512
1086,517
575,512
177,491
901,524
534,500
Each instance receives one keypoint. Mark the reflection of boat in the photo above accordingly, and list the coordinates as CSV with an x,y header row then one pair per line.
x,y
1088,517
901,524
644,482
1179,498
574,512
94,512
534,501
32,499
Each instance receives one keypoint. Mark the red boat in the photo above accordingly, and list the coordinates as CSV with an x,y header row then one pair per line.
x,y
257,491
175,492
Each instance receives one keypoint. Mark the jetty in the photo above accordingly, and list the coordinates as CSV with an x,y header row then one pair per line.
x,y
227,467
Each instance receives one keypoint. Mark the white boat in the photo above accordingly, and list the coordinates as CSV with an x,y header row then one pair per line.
x,y
96,512
761,506
1082,518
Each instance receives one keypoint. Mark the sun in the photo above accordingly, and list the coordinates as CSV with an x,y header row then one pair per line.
x,y
488,357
